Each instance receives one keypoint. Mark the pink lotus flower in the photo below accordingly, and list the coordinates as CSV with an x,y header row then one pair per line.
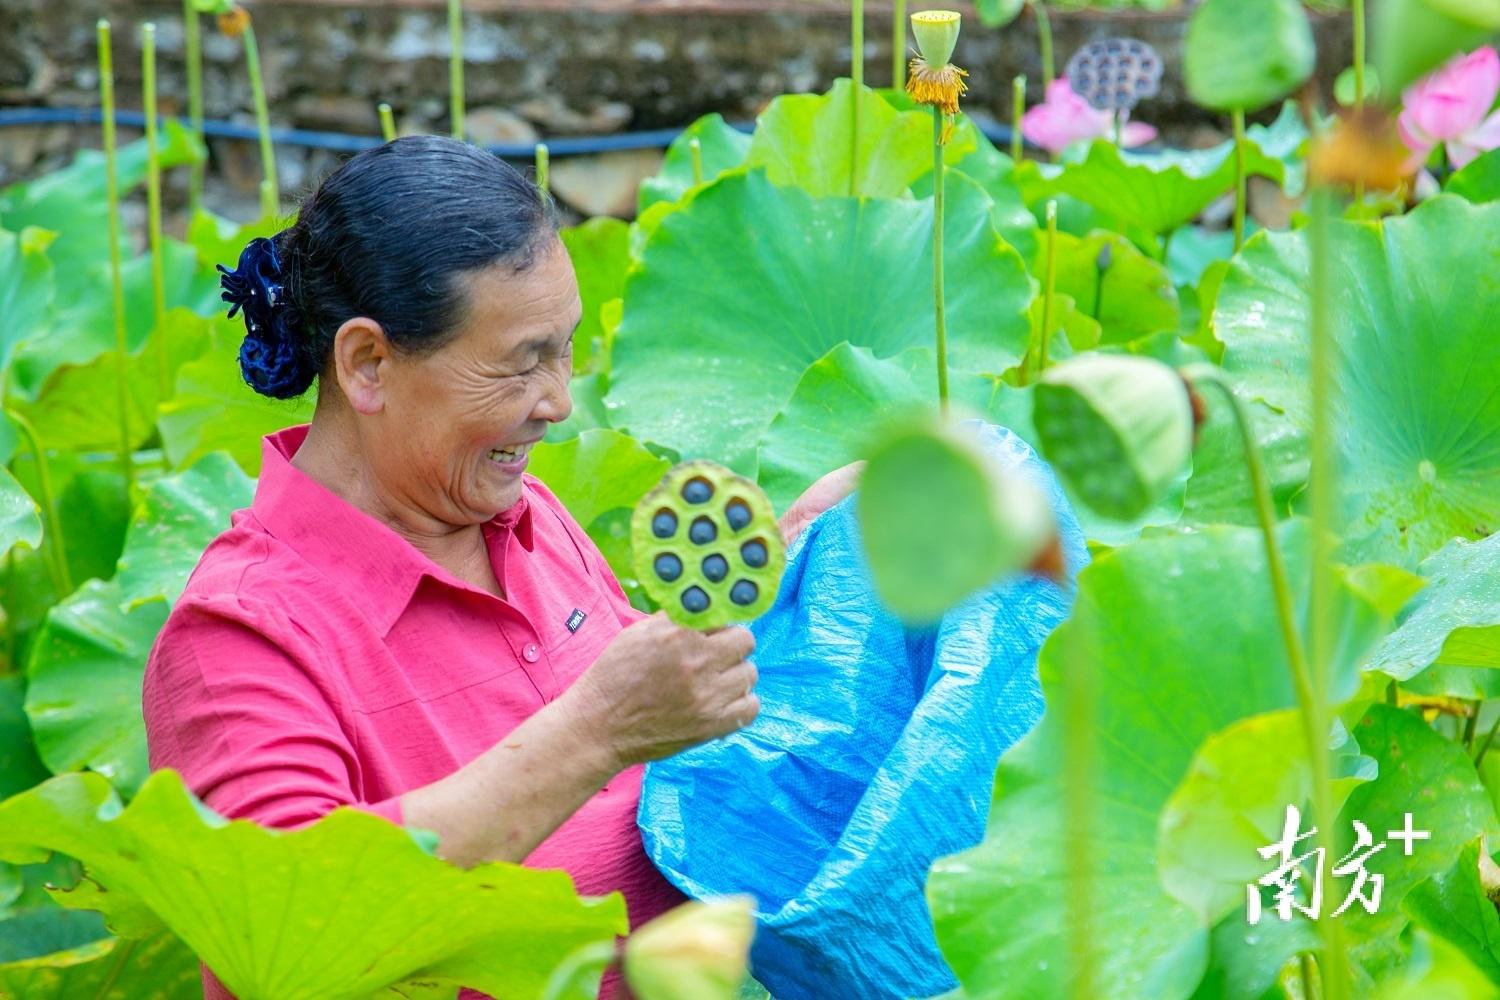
x,y
1451,107
1065,118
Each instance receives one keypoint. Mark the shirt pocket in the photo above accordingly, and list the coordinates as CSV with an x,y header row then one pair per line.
x,y
576,637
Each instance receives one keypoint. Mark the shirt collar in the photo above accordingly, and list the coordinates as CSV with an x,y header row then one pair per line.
x,y
352,548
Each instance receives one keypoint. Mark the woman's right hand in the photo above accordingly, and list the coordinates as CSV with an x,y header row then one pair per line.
x,y
659,688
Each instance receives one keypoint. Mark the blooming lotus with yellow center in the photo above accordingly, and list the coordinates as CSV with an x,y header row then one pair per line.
x,y
932,79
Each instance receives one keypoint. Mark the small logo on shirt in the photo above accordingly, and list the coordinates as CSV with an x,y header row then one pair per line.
x,y
575,620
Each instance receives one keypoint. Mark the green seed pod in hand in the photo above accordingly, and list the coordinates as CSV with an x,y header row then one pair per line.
x,y
707,546
1117,429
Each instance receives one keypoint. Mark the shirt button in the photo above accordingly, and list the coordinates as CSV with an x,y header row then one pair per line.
x,y
531,653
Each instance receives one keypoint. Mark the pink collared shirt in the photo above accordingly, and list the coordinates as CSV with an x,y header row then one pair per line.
x,y
318,659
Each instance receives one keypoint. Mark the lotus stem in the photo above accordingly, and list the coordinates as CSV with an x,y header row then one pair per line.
x,y
1323,500
387,121
1240,192
1044,41
1357,9
1315,726
543,168
1049,291
57,550
270,192
456,67
696,148
1080,729
857,74
898,46
1485,746
940,322
193,47
1017,112
153,207
117,284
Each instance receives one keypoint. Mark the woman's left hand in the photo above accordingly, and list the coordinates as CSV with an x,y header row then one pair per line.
x,y
819,497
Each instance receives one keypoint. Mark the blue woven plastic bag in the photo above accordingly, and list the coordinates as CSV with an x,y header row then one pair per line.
x,y
873,755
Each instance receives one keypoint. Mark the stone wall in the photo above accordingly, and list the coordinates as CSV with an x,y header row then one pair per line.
x,y
534,68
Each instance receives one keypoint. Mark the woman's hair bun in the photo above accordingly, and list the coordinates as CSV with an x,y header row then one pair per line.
x,y
273,359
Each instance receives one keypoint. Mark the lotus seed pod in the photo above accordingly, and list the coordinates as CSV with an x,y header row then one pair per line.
x,y
937,34
698,951
1115,74
1118,429
940,519
707,546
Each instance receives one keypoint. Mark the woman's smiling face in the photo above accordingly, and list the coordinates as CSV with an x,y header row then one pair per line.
x,y
456,425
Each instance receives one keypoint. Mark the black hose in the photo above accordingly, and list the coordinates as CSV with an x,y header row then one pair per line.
x,y
344,143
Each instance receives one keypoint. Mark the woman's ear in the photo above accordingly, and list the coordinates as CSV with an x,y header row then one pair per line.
x,y
361,360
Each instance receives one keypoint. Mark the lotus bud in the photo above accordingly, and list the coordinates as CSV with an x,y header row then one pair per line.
x,y
941,519
707,546
1118,429
698,951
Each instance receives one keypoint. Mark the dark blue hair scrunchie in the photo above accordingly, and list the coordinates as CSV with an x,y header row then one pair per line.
x,y
269,359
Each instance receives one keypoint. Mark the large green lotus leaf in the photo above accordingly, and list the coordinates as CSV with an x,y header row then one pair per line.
x,y
721,147
996,173
716,333
26,287
1219,490
86,329
159,967
20,768
1455,620
600,249
1436,970
1244,54
1233,801
86,664
597,472
826,423
1194,248
308,913
1417,422
78,408
1161,191
1130,296
20,521
93,508
84,694
1452,905
1244,962
1168,669
71,202
806,140
43,931
1430,777
176,519
214,410
220,241
1478,182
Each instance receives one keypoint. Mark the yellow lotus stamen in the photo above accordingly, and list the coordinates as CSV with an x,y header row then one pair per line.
x,y
939,88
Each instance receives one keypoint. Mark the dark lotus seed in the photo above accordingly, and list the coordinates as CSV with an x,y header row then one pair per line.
x,y
754,553
737,514
743,592
703,531
667,566
715,567
664,524
697,491
695,600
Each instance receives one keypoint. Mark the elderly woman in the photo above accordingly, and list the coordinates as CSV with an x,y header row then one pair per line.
x,y
404,621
